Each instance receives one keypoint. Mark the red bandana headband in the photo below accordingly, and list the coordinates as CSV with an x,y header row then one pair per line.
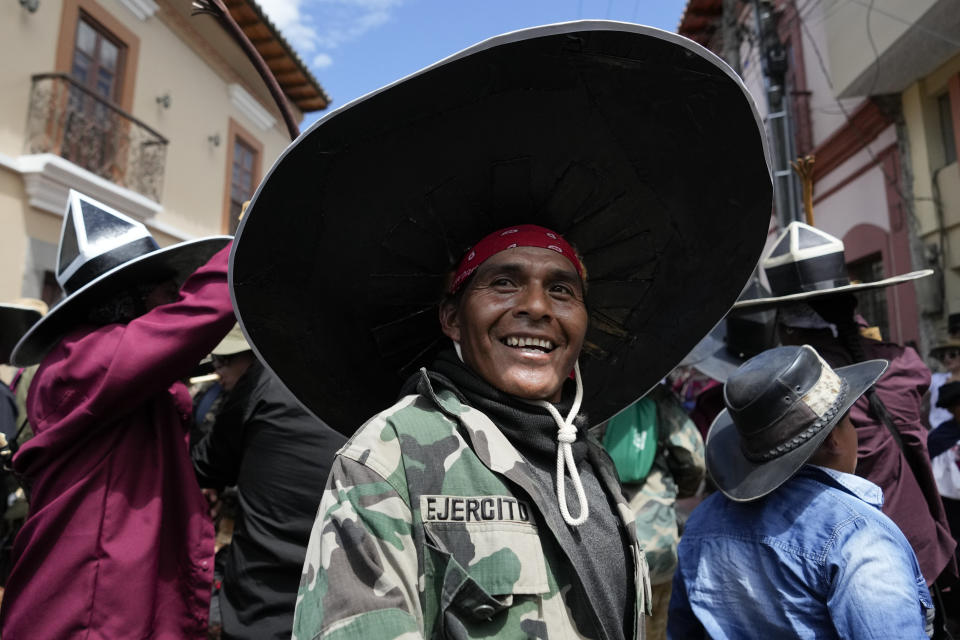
x,y
523,235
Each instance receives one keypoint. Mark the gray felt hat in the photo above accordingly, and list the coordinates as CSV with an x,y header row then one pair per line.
x,y
781,406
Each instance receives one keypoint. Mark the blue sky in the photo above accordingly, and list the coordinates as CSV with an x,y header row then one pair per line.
x,y
356,46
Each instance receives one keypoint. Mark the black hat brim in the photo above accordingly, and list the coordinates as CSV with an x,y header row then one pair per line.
x,y
761,304
15,321
742,480
711,356
643,149
937,351
948,395
707,346
175,262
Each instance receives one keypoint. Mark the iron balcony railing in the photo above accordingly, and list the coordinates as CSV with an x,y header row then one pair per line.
x,y
69,120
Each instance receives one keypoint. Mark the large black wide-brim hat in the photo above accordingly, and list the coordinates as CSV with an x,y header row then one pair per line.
x,y
174,262
639,146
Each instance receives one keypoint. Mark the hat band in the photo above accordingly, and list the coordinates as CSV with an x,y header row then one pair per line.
x,y
815,274
814,400
99,265
524,235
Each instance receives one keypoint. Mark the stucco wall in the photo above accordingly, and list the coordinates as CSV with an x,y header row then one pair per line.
x,y
27,46
826,112
171,60
13,212
935,186
196,170
862,201
849,48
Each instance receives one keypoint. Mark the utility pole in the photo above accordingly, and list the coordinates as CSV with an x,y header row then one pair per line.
x,y
731,34
773,60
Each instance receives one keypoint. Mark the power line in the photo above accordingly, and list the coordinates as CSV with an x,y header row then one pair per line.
x,y
890,180
831,12
913,25
876,52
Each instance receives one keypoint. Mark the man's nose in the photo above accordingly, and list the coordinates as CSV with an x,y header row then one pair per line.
x,y
534,302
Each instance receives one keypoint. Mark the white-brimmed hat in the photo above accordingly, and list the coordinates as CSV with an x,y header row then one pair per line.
x,y
806,262
102,253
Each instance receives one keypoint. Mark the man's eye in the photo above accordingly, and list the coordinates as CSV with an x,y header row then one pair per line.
x,y
562,289
502,282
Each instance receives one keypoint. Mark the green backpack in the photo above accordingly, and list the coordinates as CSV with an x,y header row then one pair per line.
x,y
631,440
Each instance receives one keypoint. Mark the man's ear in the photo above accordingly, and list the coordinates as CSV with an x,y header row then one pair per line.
x,y
450,320
828,450
832,442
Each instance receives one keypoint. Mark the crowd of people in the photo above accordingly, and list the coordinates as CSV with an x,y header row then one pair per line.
x,y
570,434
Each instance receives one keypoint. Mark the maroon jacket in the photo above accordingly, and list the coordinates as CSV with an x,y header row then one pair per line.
x,y
911,502
118,543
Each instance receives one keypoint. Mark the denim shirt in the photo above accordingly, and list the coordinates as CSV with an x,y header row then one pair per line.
x,y
814,559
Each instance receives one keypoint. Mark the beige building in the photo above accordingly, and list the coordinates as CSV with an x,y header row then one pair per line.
x,y
139,105
911,53
872,90
931,111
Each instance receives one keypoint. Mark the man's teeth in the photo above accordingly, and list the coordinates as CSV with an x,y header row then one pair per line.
x,y
515,341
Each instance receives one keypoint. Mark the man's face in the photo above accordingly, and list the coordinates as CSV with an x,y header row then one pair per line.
x,y
951,359
231,368
521,322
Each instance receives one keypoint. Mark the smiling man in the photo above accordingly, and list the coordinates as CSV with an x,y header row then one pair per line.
x,y
492,497
478,505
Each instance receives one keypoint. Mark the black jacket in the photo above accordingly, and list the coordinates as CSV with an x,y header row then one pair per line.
x,y
278,456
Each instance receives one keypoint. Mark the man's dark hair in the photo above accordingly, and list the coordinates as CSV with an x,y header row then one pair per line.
x,y
122,307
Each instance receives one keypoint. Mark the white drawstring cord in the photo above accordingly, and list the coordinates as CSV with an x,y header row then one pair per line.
x,y
566,436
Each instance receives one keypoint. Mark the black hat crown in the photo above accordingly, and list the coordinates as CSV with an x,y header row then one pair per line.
x,y
95,239
805,259
781,399
949,395
749,333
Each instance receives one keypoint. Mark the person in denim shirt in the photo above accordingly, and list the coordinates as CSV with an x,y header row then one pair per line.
x,y
794,544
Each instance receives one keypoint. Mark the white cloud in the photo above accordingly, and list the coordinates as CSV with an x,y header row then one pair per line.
x,y
314,27
322,61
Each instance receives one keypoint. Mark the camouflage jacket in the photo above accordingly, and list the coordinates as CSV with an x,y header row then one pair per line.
x,y
676,473
422,533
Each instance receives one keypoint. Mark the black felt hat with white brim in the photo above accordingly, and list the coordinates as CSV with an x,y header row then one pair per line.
x,y
103,253
806,263
781,406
